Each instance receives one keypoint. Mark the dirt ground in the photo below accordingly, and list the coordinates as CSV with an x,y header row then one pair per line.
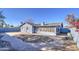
x,y
69,44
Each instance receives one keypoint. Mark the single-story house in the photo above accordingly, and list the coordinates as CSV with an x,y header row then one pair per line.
x,y
49,28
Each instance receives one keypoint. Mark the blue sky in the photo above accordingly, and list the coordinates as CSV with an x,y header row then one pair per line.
x,y
15,15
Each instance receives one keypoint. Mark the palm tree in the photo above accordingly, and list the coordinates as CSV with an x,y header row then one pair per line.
x,y
2,17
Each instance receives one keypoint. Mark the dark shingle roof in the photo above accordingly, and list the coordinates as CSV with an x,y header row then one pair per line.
x,y
45,25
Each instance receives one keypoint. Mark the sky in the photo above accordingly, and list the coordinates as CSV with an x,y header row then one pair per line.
x,y
49,15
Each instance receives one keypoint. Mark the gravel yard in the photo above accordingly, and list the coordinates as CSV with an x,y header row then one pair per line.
x,y
49,43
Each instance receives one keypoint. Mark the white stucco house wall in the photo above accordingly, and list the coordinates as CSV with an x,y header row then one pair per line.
x,y
27,28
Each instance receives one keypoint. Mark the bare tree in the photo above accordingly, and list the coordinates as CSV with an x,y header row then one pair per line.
x,y
22,22
70,18
30,20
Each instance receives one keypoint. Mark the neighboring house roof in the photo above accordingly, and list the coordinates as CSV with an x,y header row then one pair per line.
x,y
55,24
68,26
